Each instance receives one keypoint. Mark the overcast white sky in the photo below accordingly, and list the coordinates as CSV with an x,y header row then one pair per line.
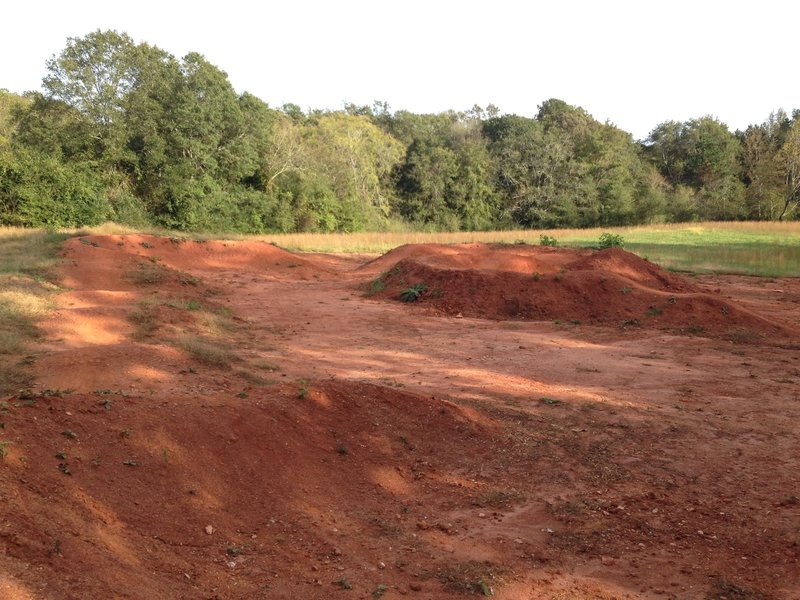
x,y
635,63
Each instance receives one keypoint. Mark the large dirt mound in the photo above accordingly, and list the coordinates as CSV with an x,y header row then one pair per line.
x,y
227,499
516,258
609,287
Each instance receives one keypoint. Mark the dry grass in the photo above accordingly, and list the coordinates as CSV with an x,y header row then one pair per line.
x,y
27,283
678,233
206,350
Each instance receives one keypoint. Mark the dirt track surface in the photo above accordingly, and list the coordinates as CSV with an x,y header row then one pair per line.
x,y
342,444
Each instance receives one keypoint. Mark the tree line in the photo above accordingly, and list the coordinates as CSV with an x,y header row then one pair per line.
x,y
127,132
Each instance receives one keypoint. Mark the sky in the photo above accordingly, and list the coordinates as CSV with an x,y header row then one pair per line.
x,y
635,63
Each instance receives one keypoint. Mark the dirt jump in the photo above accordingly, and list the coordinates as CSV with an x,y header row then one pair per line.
x,y
230,420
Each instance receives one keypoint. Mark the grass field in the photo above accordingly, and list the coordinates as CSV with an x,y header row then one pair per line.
x,y
768,249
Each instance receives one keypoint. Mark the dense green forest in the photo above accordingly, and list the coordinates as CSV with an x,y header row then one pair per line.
x,y
129,133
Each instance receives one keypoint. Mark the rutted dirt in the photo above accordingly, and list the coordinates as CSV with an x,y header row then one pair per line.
x,y
231,420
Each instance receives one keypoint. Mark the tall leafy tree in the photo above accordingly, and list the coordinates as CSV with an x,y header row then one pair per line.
x,y
789,162
704,155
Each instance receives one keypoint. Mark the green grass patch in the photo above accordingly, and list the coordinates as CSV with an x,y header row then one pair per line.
x,y
765,259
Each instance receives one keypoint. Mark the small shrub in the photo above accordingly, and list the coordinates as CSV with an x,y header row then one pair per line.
x,y
610,240
302,391
343,583
413,293
376,286
547,240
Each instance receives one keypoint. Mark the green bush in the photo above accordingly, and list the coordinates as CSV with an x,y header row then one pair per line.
x,y
547,240
413,293
610,240
40,191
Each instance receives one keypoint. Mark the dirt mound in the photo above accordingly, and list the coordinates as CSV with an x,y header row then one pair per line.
x,y
494,257
631,267
229,438
610,287
230,498
115,258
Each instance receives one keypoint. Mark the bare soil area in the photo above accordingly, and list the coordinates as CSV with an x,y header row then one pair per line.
x,y
228,420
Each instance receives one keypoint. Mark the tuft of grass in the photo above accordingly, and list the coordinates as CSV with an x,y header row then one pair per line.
x,y
654,311
469,577
208,351
742,335
302,389
144,320
4,448
498,498
148,273
377,285
343,583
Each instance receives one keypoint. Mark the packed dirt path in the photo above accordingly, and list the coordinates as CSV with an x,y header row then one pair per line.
x,y
231,420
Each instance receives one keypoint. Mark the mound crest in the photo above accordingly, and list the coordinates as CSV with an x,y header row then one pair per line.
x,y
608,287
101,261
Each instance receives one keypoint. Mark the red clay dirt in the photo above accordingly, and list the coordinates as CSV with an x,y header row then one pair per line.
x,y
231,420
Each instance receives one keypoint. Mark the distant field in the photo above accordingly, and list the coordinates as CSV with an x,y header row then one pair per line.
x,y
769,249
756,248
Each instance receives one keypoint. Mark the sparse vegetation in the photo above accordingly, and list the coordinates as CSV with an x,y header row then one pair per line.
x,y
547,240
412,294
302,390
550,401
498,498
213,352
470,577
148,273
377,285
343,583
27,283
724,589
